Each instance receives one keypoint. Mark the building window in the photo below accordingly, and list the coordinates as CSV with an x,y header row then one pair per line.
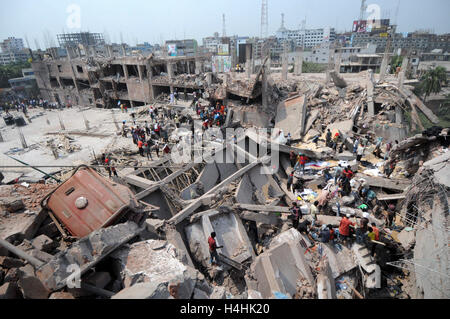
x,y
79,69
59,68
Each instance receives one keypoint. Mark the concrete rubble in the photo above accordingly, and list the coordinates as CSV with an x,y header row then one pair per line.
x,y
149,236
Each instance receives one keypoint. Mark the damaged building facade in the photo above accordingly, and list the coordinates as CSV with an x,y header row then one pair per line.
x,y
103,82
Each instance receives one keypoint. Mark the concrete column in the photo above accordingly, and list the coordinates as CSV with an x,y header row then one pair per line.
x,y
370,88
188,67
109,51
337,62
383,68
298,63
170,70
284,70
248,62
125,71
264,89
398,115
198,68
141,75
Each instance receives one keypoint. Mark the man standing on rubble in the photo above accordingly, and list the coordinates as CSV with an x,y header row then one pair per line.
x,y
328,138
213,248
140,145
355,145
296,214
302,159
344,228
338,173
290,181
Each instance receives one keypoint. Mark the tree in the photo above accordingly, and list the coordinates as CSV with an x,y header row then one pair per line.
x,y
433,80
10,71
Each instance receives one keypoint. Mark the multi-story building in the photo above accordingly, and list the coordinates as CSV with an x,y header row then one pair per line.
x,y
104,81
417,41
14,57
181,47
12,45
307,38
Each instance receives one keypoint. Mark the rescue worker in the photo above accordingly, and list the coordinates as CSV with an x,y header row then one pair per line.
x,y
213,248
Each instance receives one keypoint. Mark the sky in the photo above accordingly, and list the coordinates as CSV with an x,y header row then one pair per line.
x,y
154,21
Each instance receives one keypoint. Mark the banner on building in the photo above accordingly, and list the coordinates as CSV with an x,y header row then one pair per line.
x,y
172,50
223,49
221,64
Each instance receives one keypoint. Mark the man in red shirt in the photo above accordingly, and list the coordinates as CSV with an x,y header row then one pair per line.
x,y
213,248
344,227
348,173
141,147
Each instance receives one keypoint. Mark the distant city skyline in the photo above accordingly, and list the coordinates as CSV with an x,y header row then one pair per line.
x,y
39,21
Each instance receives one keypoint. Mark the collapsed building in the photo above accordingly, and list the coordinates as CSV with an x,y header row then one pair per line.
x,y
151,239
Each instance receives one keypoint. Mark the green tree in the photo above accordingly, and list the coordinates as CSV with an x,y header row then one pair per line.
x,y
10,71
432,81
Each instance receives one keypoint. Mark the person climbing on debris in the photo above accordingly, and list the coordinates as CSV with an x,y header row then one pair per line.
x,y
141,147
296,214
355,145
348,173
362,229
148,148
377,151
328,138
299,185
324,234
301,161
290,180
337,173
335,141
359,153
213,249
124,129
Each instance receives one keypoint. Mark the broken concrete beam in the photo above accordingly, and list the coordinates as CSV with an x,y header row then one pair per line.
x,y
154,225
414,100
338,80
325,282
291,116
139,181
260,218
43,243
11,204
21,226
145,290
313,115
390,183
262,208
387,197
86,253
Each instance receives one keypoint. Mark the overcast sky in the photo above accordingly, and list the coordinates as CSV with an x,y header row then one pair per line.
x,y
158,20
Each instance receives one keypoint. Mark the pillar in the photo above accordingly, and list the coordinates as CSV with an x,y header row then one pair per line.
x,y
125,71
398,115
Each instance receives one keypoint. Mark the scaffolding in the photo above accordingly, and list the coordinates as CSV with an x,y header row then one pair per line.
x,y
84,38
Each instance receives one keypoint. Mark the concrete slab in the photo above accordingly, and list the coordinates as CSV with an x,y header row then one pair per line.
x,y
291,116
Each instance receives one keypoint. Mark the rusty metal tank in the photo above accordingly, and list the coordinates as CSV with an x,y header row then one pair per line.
x,y
87,201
